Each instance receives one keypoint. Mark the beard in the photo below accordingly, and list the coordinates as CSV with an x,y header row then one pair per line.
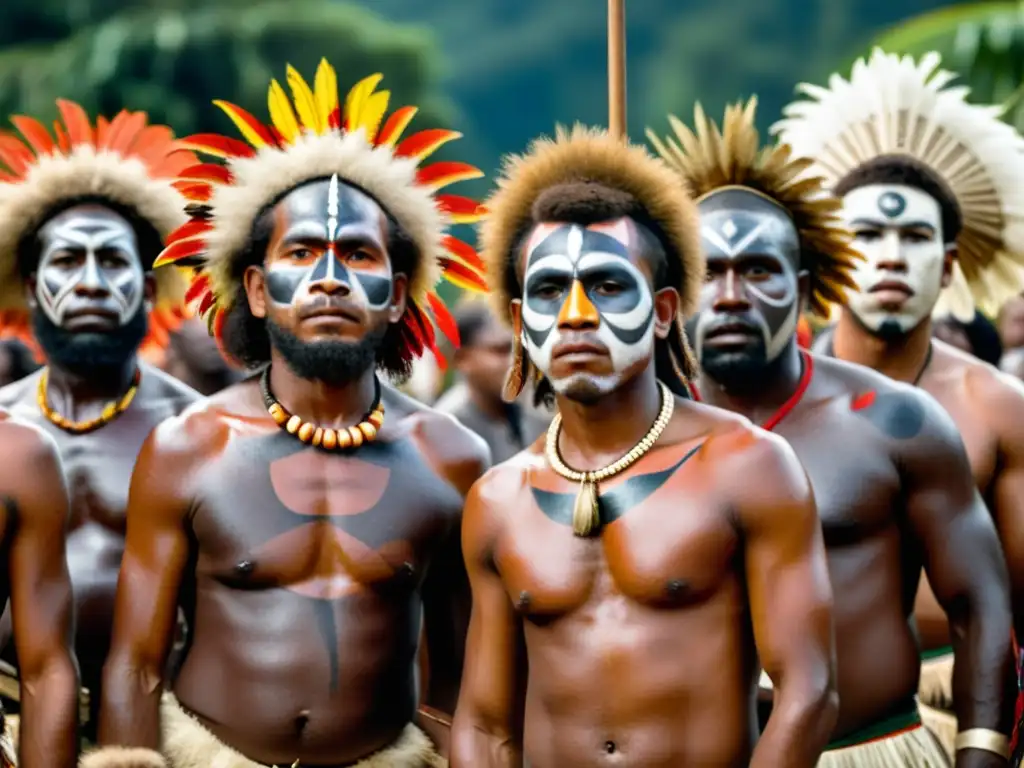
x,y
737,371
333,362
90,354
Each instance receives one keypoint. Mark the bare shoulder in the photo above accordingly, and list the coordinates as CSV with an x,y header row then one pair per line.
x,y
458,454
162,386
25,443
496,496
20,391
997,398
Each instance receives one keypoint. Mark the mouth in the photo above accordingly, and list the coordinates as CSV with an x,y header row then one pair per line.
x,y
893,287
730,334
90,319
328,313
577,350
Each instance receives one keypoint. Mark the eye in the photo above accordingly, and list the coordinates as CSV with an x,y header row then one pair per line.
x,y
757,272
547,291
301,253
359,256
867,235
608,288
916,237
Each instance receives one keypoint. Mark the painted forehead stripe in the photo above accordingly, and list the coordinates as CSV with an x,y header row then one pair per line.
x,y
738,233
892,204
572,241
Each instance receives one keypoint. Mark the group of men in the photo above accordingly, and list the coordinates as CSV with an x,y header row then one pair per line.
x,y
310,569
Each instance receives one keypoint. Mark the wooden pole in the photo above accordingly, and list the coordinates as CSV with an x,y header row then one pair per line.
x,y
617,68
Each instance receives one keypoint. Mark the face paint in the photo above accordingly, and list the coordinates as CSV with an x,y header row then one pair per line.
x,y
898,229
89,263
750,304
581,285
329,232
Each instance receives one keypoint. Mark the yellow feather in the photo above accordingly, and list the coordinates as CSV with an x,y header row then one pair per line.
x,y
243,127
326,91
281,112
357,98
373,112
305,103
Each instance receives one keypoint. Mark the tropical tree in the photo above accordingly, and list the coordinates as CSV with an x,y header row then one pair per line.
x,y
983,42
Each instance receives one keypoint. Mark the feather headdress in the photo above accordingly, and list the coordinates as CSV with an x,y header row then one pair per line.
x,y
592,155
711,160
125,160
893,105
314,136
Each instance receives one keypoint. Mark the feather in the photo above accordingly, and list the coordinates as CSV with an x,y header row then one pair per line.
x,y
207,172
189,230
76,121
63,143
251,129
181,249
442,174
395,125
196,191
423,144
462,276
102,131
195,290
463,252
35,134
122,137
325,87
356,99
305,102
444,319
208,301
459,209
14,154
216,145
371,114
281,114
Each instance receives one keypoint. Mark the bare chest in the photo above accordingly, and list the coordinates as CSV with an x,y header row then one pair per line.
x,y
272,513
668,541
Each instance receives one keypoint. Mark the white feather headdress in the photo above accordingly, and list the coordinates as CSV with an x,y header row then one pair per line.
x,y
893,105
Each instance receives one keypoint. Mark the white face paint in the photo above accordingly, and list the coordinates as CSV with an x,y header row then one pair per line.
x,y
582,286
89,262
899,231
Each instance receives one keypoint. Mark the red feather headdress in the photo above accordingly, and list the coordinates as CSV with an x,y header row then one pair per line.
x,y
124,160
313,136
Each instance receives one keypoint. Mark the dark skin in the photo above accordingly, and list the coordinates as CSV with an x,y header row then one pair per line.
x,y
34,524
326,563
895,495
97,464
193,358
575,642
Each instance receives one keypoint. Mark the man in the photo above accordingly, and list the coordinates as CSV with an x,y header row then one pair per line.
x,y
33,532
193,358
308,515
977,337
942,191
81,222
482,361
896,494
606,606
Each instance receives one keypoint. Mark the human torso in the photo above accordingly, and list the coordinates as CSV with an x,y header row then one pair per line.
x,y
98,467
305,598
629,633
846,433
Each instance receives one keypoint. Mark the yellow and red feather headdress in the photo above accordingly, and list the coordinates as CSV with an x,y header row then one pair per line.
x,y
125,160
313,136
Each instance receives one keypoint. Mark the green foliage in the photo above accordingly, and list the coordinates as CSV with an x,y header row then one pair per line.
x,y
982,42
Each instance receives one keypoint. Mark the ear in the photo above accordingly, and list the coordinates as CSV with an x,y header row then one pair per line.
x,y
803,287
149,289
399,297
947,264
666,307
255,282
30,292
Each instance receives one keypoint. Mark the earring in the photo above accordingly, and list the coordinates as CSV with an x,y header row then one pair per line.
x,y
516,378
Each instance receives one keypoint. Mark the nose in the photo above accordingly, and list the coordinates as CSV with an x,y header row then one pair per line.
x,y
729,295
92,282
330,276
578,311
890,257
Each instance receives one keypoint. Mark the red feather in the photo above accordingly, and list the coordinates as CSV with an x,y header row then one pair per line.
x,y
208,301
189,229
62,138
194,190
463,251
255,125
394,125
77,122
424,143
102,131
207,172
461,275
154,143
183,249
196,289
444,319
460,210
14,154
217,145
445,172
35,133
123,135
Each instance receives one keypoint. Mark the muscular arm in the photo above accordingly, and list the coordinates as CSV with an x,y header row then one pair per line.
x,y
790,604
487,732
446,593
145,612
963,561
41,601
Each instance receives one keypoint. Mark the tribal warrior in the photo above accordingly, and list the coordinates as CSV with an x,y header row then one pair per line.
x,y
81,221
895,495
628,571
309,516
931,189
